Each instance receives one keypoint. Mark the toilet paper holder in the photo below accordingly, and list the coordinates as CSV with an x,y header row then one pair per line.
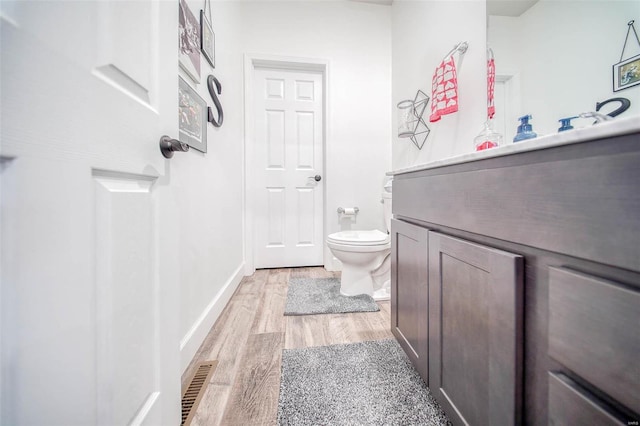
x,y
341,210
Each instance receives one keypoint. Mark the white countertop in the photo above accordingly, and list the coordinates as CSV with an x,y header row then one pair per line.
x,y
615,127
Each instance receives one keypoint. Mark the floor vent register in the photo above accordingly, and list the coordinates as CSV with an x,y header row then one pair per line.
x,y
192,394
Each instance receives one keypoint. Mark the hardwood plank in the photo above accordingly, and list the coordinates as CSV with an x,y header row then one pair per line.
x,y
227,320
369,321
363,336
305,331
269,317
254,396
374,325
228,338
270,314
238,342
279,276
212,405
254,284
313,272
340,328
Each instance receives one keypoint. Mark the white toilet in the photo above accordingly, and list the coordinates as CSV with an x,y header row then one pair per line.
x,y
365,257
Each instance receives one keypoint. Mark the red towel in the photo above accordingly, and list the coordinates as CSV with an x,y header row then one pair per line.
x,y
444,90
491,85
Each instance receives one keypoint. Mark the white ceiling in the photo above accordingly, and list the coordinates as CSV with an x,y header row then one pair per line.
x,y
494,7
385,2
509,7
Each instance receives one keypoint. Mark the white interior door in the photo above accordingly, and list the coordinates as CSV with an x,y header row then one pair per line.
x,y
89,283
288,160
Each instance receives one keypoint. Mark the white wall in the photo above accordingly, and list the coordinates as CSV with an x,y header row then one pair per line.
x,y
356,40
423,32
563,52
211,240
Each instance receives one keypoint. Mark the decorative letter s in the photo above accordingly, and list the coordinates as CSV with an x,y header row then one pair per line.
x,y
210,81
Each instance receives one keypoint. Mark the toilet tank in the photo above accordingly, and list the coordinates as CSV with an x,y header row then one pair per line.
x,y
386,201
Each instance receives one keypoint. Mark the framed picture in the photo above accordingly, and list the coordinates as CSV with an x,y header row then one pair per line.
x,y
189,42
626,73
192,117
207,40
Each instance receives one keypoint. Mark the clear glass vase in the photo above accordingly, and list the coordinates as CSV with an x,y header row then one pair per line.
x,y
407,119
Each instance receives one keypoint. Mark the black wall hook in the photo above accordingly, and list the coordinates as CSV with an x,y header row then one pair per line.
x,y
210,82
624,105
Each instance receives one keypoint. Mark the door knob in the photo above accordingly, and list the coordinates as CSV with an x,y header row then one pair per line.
x,y
168,146
317,178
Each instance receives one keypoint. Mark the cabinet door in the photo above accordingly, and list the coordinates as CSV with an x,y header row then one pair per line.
x,y
410,292
475,331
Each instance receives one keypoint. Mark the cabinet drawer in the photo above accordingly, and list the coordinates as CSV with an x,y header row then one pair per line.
x,y
568,406
593,331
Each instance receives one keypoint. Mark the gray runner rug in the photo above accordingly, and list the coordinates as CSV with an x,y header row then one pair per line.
x,y
308,296
368,383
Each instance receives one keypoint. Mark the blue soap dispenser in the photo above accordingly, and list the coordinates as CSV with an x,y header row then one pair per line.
x,y
525,131
565,124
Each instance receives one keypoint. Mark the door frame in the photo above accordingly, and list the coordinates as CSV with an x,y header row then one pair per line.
x,y
510,79
285,63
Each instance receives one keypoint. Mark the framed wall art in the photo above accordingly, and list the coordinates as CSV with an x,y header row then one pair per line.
x,y
189,42
207,39
626,73
192,117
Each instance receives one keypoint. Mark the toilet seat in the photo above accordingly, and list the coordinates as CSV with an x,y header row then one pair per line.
x,y
359,238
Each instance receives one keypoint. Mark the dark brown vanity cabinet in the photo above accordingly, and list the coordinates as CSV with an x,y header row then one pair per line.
x,y
410,292
475,331
516,283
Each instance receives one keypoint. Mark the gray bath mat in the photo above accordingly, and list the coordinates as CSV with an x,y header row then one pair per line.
x,y
308,296
369,383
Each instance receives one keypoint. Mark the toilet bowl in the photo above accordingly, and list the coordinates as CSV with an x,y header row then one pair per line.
x,y
365,257
361,253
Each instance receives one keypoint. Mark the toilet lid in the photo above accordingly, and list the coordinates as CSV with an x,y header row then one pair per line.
x,y
362,238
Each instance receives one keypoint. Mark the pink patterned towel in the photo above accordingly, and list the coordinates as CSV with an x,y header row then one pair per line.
x,y
444,90
491,87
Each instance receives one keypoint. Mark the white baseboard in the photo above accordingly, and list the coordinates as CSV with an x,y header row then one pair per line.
x,y
195,336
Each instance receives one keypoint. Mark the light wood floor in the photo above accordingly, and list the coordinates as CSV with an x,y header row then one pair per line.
x,y
248,338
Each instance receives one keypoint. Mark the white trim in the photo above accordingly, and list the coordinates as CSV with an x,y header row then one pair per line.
x,y
144,410
251,62
195,336
512,107
248,172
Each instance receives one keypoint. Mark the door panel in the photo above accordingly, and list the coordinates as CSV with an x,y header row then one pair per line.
x,y
305,140
410,292
126,296
288,225
115,62
475,331
276,217
87,307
